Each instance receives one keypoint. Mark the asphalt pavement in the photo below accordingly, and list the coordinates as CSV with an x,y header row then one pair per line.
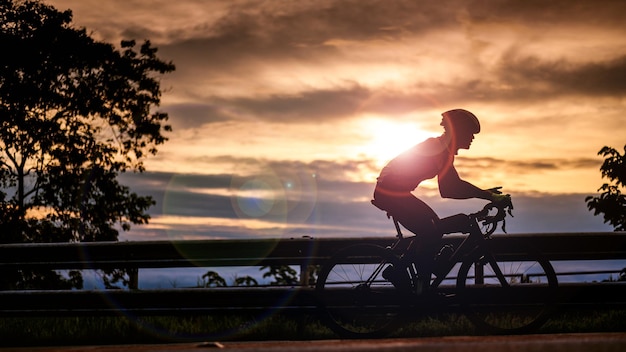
x,y
588,342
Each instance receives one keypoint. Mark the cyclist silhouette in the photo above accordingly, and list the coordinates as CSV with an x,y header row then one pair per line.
x,y
430,158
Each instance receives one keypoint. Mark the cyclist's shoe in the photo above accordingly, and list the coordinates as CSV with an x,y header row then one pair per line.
x,y
399,279
441,265
388,273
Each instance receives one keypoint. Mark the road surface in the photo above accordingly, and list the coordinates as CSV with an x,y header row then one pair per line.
x,y
587,342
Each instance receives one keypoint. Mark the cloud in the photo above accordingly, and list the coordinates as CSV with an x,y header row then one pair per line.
x,y
535,78
289,62
292,184
336,216
525,166
318,105
193,115
607,13
519,80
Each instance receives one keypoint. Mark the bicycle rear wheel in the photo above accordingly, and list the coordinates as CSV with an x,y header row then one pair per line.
x,y
502,296
357,302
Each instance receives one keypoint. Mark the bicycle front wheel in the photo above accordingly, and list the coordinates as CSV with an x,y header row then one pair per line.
x,y
355,299
502,296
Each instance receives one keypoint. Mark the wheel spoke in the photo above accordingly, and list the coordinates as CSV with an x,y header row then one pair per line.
x,y
357,300
503,296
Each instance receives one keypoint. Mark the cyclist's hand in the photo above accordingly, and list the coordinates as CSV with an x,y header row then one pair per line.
x,y
495,190
501,199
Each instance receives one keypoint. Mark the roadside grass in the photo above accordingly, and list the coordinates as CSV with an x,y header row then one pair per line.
x,y
49,331
588,320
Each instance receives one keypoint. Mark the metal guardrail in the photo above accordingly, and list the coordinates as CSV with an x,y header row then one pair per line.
x,y
293,251
221,253
206,301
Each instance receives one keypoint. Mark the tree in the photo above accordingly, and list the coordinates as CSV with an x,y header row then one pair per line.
x,y
283,275
245,281
74,114
611,202
213,279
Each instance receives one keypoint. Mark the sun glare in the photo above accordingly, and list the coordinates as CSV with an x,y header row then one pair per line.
x,y
389,138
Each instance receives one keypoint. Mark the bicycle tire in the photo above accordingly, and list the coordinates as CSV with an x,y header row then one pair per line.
x,y
354,308
521,305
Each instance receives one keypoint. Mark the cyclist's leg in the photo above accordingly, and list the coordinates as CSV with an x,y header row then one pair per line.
x,y
455,223
417,217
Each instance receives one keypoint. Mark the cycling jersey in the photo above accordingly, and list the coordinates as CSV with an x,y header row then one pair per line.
x,y
406,171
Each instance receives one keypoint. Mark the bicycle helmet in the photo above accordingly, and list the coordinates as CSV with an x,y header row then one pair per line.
x,y
460,119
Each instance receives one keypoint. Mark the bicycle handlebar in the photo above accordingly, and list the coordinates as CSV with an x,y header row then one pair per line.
x,y
491,221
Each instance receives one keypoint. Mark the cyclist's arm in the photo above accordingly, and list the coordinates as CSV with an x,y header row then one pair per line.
x,y
452,186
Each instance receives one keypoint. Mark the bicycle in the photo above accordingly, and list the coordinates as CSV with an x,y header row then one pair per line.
x,y
499,294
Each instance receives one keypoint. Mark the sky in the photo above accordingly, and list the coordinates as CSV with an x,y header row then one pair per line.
x,y
284,112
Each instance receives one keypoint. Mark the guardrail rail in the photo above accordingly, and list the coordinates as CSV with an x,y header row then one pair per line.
x,y
258,252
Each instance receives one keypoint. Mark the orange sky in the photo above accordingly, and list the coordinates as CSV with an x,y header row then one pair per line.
x,y
324,92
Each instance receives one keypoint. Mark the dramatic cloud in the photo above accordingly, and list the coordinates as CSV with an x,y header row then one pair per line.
x,y
192,206
285,111
534,77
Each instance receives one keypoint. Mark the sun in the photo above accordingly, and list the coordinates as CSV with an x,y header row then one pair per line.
x,y
388,138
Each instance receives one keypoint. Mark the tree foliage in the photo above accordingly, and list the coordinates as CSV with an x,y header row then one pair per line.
x,y
247,281
283,275
611,202
74,114
213,279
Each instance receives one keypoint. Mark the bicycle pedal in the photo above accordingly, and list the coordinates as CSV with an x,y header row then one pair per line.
x,y
446,295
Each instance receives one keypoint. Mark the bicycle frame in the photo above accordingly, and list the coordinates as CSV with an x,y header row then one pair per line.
x,y
478,242
476,239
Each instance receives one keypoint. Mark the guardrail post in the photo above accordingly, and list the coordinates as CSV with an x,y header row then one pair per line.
x,y
133,278
304,275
